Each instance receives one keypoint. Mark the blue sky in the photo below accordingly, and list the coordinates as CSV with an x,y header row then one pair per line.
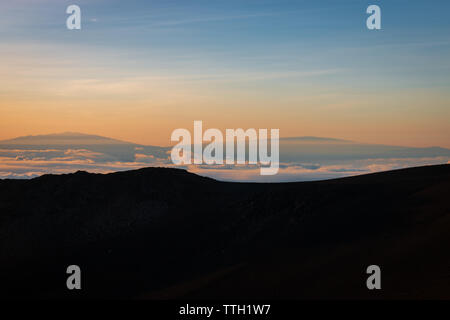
x,y
311,60
270,35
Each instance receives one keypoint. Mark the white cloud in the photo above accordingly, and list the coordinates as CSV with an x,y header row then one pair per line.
x,y
22,163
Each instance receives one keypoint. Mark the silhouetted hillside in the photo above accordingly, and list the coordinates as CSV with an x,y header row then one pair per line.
x,y
166,233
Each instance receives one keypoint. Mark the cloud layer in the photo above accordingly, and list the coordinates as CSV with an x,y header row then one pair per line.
x,y
301,159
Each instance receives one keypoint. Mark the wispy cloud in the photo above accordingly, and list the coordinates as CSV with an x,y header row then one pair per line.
x,y
211,19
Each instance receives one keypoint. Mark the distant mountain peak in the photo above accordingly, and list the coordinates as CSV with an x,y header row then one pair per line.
x,y
63,138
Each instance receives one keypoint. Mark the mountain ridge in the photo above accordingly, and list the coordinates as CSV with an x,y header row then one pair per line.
x,y
62,138
159,233
301,158
73,135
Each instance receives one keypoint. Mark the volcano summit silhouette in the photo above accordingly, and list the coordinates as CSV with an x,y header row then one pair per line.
x,y
165,233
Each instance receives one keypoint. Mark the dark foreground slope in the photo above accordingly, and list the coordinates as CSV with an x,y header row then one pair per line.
x,y
165,233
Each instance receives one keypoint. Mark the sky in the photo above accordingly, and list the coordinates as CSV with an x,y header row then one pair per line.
x,y
137,70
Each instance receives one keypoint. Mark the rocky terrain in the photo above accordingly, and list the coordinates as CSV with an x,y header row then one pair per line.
x,y
165,233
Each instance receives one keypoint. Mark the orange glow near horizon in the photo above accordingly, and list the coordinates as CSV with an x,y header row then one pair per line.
x,y
150,121
43,92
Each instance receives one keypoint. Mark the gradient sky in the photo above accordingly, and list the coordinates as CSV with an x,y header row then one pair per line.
x,y
140,69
